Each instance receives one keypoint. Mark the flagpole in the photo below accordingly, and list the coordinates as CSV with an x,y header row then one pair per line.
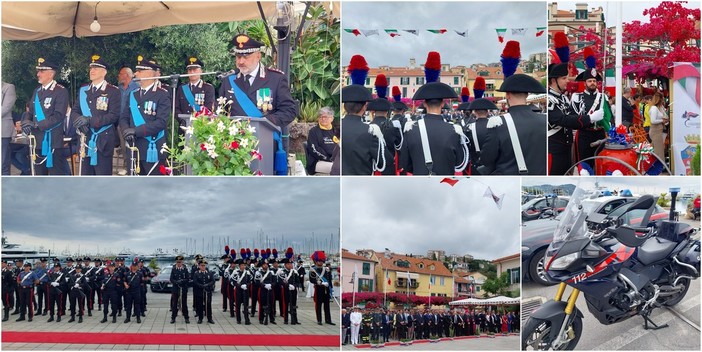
x,y
429,291
353,299
385,290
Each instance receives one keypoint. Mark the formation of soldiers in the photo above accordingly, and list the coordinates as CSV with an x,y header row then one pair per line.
x,y
77,288
476,140
381,325
253,285
138,114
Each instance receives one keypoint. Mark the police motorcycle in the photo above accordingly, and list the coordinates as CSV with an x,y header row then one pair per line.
x,y
624,266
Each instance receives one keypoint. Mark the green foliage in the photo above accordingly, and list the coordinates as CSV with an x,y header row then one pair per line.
x,y
309,111
153,265
496,285
218,145
695,162
314,66
662,201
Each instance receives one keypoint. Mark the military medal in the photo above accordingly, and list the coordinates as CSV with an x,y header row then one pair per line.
x,y
199,98
263,97
47,103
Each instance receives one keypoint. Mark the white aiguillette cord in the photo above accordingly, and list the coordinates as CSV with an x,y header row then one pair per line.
x,y
425,145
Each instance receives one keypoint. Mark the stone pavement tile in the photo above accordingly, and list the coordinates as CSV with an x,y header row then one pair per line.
x,y
90,347
135,347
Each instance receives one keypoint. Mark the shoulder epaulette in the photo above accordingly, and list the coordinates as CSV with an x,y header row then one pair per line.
x,y
275,70
494,121
408,125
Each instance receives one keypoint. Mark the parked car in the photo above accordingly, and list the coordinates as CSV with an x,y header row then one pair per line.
x,y
537,234
162,281
538,207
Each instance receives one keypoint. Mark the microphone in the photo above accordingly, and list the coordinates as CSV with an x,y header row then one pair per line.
x,y
234,71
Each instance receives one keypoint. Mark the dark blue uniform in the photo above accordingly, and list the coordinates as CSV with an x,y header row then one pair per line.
x,y
53,101
284,108
132,295
109,287
104,104
180,277
154,105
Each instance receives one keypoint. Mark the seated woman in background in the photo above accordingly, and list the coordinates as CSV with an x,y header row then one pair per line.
x,y
321,142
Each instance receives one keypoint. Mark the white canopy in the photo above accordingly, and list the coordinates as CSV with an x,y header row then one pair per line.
x,y
36,20
486,302
404,275
536,97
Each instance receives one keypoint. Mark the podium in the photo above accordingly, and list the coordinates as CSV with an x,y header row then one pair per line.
x,y
266,146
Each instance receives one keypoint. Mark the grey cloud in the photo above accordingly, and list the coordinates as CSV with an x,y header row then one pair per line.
x,y
480,19
414,214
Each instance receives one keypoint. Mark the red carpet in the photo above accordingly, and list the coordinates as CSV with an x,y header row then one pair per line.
x,y
171,339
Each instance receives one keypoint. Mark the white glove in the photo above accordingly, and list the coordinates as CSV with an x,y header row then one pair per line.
x,y
243,287
268,286
291,287
87,279
325,284
76,286
54,284
596,115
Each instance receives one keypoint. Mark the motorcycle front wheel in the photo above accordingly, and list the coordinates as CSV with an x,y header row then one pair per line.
x,y
535,335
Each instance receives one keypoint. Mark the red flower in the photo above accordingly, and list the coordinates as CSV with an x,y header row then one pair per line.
x,y
235,145
164,170
258,173
256,154
202,146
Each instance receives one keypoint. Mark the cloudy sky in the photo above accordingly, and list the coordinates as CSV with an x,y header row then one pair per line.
x,y
479,18
415,214
148,213
631,10
638,185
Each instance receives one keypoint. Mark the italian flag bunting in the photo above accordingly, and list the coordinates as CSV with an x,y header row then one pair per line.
x,y
353,31
501,34
540,31
437,31
392,32
412,31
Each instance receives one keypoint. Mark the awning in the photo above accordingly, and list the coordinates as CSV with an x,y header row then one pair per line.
x,y
29,20
499,300
404,274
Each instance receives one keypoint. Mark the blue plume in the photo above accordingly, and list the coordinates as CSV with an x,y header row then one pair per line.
x,y
358,77
509,65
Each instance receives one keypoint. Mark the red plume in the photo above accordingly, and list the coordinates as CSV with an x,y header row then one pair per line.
x,y
560,40
381,81
479,83
433,61
464,91
358,62
396,91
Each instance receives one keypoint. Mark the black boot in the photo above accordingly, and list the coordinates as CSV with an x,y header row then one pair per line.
x,y
104,319
5,315
172,320
127,320
114,318
80,319
58,318
73,318
199,320
21,318
50,319
90,313
209,320
138,319
187,320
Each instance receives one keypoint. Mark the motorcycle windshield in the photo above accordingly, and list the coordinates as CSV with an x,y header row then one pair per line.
x,y
572,220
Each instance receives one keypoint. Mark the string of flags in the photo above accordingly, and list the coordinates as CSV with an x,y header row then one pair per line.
x,y
452,181
518,32
394,32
